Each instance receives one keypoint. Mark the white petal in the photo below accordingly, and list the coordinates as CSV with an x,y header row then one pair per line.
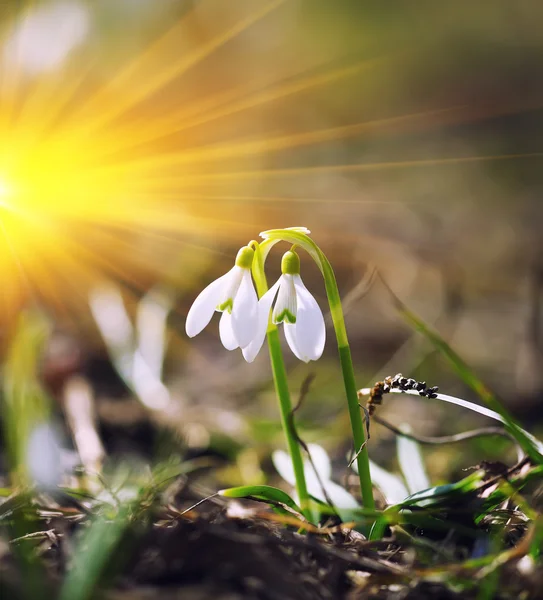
x,y
231,286
290,334
392,486
411,462
264,307
226,332
283,464
44,455
310,328
245,311
203,307
341,498
285,307
321,460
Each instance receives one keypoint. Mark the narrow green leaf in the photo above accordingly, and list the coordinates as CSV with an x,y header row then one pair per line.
x,y
469,377
92,553
439,493
25,405
263,492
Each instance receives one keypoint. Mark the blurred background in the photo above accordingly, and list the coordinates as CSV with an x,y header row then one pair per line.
x,y
143,142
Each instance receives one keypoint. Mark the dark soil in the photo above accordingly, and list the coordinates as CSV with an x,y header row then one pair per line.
x,y
232,550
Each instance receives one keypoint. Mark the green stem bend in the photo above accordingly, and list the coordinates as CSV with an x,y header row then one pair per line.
x,y
298,237
281,388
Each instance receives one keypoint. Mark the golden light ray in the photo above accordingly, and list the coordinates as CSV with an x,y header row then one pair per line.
x,y
101,168
233,102
186,180
49,98
136,75
279,92
392,125
274,144
210,198
399,164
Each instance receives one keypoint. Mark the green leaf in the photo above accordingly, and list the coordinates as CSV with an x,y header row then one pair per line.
x,y
13,503
25,404
438,494
516,484
432,497
470,379
92,554
105,542
262,492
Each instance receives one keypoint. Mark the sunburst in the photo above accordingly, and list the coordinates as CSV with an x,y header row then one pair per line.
x,y
113,169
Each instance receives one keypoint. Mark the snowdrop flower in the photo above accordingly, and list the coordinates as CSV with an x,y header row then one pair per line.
x,y
234,295
296,308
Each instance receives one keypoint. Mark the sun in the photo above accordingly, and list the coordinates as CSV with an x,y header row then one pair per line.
x,y
95,169
4,188
5,192
139,169
67,213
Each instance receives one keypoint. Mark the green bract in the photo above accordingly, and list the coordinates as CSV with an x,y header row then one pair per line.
x,y
290,263
244,258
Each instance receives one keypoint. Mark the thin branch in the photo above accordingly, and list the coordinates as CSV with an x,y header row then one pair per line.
x,y
367,421
184,512
445,439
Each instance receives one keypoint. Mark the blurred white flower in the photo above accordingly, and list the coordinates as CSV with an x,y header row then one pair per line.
x,y
234,295
44,456
46,460
319,486
46,35
296,308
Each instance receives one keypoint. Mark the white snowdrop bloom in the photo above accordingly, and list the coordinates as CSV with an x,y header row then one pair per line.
x,y
234,295
296,308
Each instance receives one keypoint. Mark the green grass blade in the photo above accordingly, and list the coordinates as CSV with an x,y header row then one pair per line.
x,y
469,378
263,492
105,543
25,405
448,492
93,552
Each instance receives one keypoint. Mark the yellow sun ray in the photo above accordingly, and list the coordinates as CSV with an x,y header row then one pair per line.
x,y
273,144
225,104
142,77
344,168
246,102
95,166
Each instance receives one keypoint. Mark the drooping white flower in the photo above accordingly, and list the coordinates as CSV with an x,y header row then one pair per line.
x,y
234,295
296,308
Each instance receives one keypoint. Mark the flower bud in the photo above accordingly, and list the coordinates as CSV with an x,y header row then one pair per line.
x,y
290,263
244,258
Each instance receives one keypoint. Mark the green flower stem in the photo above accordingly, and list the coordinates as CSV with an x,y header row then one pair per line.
x,y
299,238
285,405
282,391
357,426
